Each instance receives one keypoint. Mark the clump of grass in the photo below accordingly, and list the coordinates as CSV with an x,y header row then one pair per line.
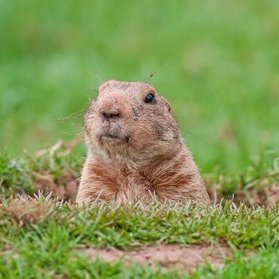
x,y
26,211
129,226
259,184
14,176
52,171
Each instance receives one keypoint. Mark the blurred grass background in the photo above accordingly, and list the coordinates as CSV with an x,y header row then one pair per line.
x,y
216,61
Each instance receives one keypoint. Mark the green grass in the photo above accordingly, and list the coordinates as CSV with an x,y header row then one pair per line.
x,y
216,61
124,227
52,244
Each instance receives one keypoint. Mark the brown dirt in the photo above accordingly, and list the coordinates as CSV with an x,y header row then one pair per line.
x,y
268,196
166,256
65,188
273,195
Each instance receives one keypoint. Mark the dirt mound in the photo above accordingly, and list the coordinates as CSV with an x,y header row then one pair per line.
x,y
165,256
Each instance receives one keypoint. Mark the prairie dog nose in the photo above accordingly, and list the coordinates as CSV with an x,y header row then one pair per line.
x,y
110,114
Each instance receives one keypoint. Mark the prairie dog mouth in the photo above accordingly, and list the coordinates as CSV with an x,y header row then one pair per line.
x,y
114,133
110,136
117,138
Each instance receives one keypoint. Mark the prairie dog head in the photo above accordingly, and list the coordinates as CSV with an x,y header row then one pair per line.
x,y
130,119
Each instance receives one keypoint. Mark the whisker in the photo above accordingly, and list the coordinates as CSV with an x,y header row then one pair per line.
x,y
74,115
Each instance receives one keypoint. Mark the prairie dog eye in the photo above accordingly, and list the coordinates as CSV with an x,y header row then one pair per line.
x,y
149,98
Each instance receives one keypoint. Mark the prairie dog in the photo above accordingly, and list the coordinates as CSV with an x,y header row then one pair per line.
x,y
135,149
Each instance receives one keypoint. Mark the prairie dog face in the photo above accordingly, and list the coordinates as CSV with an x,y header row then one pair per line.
x,y
130,117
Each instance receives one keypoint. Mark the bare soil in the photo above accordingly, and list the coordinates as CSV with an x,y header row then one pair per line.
x,y
165,256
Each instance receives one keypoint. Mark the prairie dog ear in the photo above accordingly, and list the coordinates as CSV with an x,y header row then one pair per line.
x,y
167,103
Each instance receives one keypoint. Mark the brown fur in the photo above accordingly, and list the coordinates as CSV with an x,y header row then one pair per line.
x,y
137,153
